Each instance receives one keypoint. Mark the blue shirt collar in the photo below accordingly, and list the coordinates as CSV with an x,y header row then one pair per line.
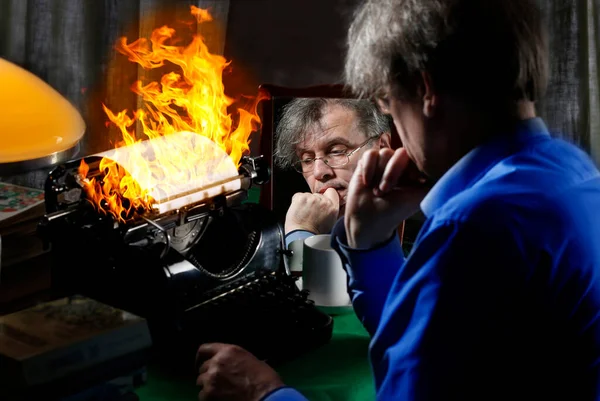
x,y
471,167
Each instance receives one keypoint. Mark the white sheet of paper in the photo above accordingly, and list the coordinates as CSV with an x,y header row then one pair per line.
x,y
174,167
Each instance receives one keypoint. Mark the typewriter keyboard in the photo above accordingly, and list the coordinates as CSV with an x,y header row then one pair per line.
x,y
267,315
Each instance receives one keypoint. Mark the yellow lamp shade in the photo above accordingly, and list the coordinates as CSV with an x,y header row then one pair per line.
x,y
36,122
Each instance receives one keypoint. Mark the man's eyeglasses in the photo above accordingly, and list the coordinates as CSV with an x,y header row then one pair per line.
x,y
334,159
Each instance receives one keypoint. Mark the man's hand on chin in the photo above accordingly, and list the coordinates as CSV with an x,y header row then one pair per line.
x,y
230,373
376,202
313,212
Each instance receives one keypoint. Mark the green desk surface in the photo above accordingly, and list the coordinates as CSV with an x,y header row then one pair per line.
x,y
337,371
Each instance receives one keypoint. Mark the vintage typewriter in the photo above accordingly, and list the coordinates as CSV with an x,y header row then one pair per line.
x,y
212,270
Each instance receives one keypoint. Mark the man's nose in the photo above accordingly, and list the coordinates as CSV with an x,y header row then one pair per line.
x,y
322,170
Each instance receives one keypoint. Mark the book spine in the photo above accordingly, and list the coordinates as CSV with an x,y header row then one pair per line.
x,y
58,363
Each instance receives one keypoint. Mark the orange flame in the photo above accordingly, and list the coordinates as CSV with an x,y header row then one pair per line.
x,y
190,99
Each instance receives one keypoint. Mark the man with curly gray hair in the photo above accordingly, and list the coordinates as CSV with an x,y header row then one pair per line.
x,y
499,298
323,139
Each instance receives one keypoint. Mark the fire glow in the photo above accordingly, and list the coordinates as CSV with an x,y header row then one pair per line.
x,y
191,99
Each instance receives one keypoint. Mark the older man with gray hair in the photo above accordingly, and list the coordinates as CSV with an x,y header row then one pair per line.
x,y
323,139
499,298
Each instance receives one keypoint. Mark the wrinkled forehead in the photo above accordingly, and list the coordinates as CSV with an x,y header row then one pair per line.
x,y
337,124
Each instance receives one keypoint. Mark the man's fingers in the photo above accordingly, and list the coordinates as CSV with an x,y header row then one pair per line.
x,y
204,392
385,155
394,169
206,352
204,367
333,196
367,167
200,380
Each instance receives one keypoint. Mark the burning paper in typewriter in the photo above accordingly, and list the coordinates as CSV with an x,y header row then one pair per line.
x,y
190,135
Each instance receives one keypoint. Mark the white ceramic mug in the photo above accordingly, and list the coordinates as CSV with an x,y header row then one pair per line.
x,y
322,273
295,261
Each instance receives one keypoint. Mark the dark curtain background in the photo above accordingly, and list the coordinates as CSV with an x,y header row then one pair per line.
x,y
69,44
572,104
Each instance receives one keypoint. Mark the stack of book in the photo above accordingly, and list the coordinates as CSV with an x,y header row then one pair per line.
x,y
21,209
70,349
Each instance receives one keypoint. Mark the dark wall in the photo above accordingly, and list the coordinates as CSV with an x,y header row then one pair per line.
x,y
292,43
286,42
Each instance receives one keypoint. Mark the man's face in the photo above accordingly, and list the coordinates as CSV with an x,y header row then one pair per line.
x,y
430,129
408,120
338,131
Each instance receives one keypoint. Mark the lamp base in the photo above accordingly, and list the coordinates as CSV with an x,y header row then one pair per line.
x,y
13,168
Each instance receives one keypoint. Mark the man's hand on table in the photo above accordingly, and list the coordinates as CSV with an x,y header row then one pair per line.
x,y
376,204
313,212
230,373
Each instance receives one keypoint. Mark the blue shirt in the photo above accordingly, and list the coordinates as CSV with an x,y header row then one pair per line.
x,y
500,295
296,235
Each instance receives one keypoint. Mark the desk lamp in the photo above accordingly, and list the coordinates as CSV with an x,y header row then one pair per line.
x,y
38,126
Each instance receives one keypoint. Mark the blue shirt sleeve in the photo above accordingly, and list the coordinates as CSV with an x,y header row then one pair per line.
x,y
296,235
284,394
442,323
371,273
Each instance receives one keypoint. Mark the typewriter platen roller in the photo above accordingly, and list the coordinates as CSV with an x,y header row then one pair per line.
x,y
212,270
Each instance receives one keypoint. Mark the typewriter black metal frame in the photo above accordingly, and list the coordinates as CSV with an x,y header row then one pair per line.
x,y
230,284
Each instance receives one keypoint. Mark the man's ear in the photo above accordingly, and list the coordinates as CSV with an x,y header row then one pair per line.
x,y
385,140
430,98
